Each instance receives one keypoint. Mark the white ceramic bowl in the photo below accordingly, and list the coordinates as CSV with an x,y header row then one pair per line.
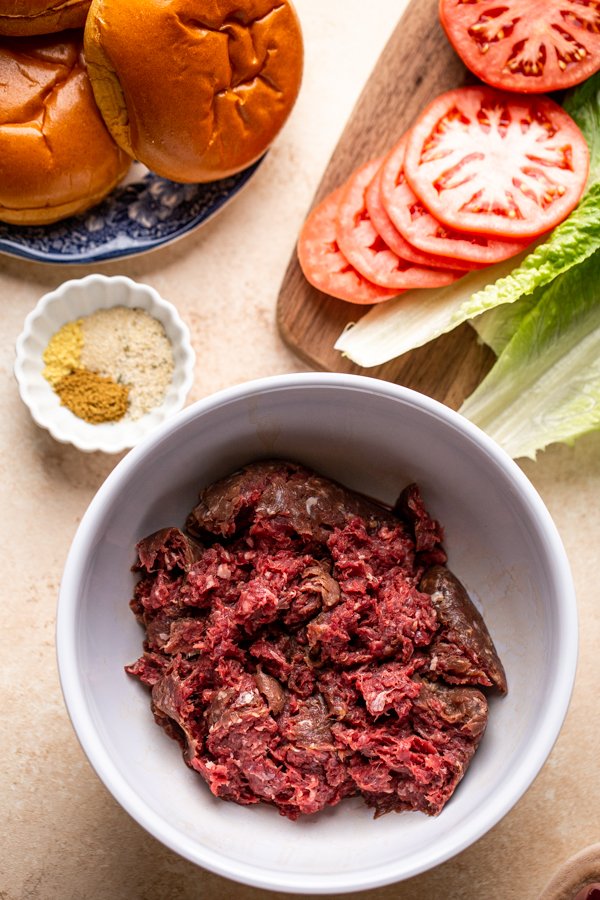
x,y
374,437
72,300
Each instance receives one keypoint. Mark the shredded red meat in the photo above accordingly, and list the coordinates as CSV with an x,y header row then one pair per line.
x,y
305,644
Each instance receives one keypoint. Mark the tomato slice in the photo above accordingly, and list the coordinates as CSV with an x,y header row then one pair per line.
x,y
364,247
323,263
529,46
396,241
424,231
490,162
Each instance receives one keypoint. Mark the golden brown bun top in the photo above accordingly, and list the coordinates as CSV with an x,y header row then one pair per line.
x,y
27,17
56,156
195,90
29,69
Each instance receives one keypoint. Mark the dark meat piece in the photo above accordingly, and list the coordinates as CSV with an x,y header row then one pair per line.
x,y
166,549
463,651
271,690
163,558
341,695
303,503
440,712
158,629
306,724
298,654
274,655
174,703
186,637
409,506
149,668
316,589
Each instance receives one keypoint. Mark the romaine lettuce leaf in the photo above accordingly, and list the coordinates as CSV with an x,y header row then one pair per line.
x,y
497,326
545,385
583,105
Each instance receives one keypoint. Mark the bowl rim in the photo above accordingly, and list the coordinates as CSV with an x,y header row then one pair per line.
x,y
184,359
295,881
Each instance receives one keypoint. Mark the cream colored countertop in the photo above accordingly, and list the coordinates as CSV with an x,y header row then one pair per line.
x,y
64,838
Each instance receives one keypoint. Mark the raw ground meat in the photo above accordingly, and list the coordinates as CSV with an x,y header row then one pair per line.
x,y
305,644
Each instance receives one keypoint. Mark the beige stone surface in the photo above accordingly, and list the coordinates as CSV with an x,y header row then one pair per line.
x,y
63,836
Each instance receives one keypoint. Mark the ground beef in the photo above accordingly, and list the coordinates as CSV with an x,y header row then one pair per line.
x,y
305,644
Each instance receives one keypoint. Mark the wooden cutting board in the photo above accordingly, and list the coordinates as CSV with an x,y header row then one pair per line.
x,y
416,65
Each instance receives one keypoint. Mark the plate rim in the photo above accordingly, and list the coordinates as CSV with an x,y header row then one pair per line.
x,y
17,250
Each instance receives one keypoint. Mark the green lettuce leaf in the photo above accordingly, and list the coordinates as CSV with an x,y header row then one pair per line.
x,y
497,326
545,385
583,105
417,317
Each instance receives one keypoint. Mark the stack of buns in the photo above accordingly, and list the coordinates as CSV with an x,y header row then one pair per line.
x,y
196,90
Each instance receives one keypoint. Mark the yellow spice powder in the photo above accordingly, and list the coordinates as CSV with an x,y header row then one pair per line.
x,y
63,352
93,397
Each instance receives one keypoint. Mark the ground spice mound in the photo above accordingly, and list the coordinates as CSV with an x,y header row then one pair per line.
x,y
63,352
132,348
305,644
93,397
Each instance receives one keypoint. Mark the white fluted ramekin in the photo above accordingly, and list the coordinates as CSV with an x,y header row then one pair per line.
x,y
75,299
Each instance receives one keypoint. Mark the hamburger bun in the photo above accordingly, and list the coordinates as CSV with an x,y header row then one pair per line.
x,y
20,18
195,89
56,156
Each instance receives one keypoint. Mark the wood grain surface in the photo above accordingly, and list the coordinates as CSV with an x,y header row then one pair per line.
x,y
415,66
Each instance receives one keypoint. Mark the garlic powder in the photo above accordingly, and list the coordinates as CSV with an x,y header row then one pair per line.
x,y
131,347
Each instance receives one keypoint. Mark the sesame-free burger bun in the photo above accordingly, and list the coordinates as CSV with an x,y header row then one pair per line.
x,y
57,157
24,17
194,89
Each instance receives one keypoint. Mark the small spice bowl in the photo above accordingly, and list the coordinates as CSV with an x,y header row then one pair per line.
x,y
75,300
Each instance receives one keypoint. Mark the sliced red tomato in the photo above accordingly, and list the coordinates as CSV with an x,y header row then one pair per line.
x,y
529,46
424,231
396,241
323,263
364,248
490,162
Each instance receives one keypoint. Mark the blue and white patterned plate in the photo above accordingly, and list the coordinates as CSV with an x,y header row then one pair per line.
x,y
143,213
